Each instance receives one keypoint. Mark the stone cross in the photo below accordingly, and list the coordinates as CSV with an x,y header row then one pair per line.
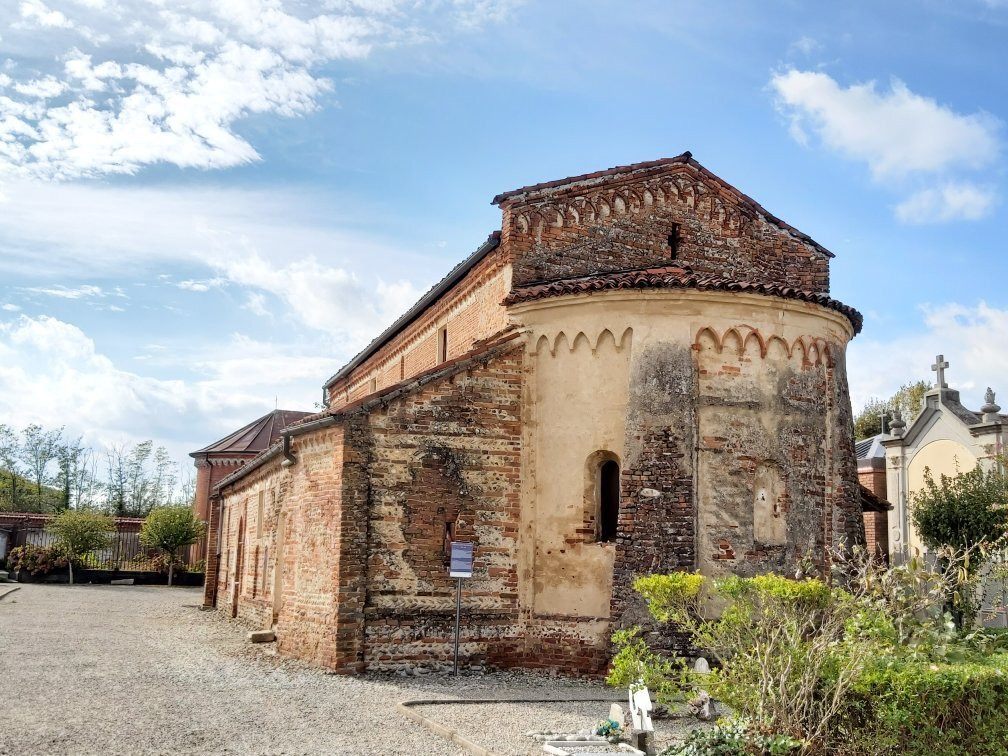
x,y
939,367
640,709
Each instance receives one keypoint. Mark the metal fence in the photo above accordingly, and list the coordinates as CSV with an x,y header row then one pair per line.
x,y
123,552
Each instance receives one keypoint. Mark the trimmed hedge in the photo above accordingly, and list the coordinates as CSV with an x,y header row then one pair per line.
x,y
921,707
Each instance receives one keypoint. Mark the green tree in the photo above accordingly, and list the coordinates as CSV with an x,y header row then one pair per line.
x,y
10,460
140,477
908,401
79,532
76,476
169,529
39,449
963,512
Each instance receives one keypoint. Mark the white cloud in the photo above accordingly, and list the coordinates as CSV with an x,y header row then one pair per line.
x,y
52,373
65,292
168,82
9,307
202,285
954,201
910,143
236,238
324,297
897,133
256,304
805,45
968,335
36,11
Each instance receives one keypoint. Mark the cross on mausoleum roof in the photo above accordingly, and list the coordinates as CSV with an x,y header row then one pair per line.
x,y
939,367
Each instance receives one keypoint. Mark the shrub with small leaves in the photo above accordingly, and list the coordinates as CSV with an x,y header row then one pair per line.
x,y
169,529
37,560
734,737
635,664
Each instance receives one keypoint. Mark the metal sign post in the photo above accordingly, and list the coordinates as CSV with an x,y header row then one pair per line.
x,y
461,567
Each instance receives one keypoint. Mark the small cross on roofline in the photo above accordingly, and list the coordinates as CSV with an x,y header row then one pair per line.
x,y
939,367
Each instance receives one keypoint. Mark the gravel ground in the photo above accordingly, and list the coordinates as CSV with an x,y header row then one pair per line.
x,y
140,670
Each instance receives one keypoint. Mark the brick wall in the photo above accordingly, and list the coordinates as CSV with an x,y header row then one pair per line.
x,y
308,498
447,455
876,527
364,574
625,223
874,479
776,455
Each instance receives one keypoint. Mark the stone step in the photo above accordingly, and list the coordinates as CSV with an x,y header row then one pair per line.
x,y
261,636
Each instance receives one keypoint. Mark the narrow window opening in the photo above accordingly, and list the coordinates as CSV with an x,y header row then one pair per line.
x,y
443,344
402,368
673,241
374,385
609,496
259,514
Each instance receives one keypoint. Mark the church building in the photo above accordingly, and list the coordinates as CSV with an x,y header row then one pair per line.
x,y
641,371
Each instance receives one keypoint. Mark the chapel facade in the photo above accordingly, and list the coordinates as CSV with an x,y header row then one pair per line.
x,y
641,371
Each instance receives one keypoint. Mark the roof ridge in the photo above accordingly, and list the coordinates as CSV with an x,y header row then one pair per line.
x,y
686,158
453,276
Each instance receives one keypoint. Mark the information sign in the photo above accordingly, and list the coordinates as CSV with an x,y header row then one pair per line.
x,y
461,560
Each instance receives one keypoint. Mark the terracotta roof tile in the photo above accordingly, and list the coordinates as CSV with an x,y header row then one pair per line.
x,y
674,277
256,436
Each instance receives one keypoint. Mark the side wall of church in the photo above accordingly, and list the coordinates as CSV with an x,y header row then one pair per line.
x,y
470,312
625,223
444,462
279,564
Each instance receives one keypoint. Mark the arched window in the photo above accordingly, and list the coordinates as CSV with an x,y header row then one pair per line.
x,y
609,496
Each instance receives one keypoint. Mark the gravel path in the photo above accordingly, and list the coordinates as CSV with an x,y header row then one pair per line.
x,y
140,670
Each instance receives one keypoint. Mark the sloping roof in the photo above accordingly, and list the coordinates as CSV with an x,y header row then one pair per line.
x,y
872,503
481,352
674,277
870,447
454,276
655,166
256,436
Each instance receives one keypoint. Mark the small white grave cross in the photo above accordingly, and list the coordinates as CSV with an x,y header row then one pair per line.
x,y
939,367
640,706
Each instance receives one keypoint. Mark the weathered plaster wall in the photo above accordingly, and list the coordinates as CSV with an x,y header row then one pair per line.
x,y
727,410
943,456
624,223
579,405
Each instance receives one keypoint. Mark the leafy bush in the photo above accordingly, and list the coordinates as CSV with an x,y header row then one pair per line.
x,y
169,529
966,512
635,664
731,737
877,666
79,532
37,560
671,598
927,708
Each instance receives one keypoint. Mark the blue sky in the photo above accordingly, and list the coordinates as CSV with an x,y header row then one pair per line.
x,y
207,206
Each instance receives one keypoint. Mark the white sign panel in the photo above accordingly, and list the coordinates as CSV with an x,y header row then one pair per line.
x,y
461,560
